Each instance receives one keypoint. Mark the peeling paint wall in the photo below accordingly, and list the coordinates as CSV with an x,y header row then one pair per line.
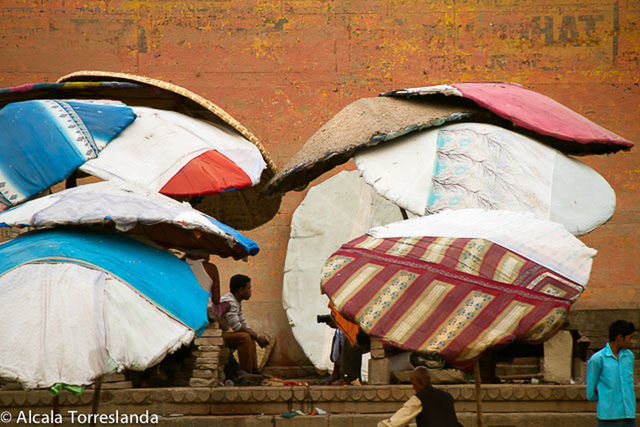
x,y
283,68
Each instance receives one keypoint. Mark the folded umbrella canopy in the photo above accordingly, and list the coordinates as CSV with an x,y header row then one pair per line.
x,y
459,282
567,130
78,304
364,123
42,142
479,165
337,210
209,159
128,208
184,146
370,122
245,207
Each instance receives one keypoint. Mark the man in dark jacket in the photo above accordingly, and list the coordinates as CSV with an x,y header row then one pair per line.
x,y
431,407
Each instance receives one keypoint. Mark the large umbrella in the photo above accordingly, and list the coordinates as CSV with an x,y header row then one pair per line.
x,y
78,304
127,208
569,131
184,145
459,282
364,123
210,159
243,209
337,210
369,122
478,165
43,142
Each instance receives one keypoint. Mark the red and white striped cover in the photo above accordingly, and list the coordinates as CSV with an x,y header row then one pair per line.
x,y
455,296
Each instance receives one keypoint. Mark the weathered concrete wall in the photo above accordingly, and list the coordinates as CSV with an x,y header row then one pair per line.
x,y
284,67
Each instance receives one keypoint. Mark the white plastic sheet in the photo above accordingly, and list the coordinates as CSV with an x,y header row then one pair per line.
x,y
332,213
65,323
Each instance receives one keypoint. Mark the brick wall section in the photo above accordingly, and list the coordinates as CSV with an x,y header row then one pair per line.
x,y
284,67
594,324
208,369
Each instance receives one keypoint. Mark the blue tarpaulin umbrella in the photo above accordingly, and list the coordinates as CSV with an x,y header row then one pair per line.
x,y
42,142
78,304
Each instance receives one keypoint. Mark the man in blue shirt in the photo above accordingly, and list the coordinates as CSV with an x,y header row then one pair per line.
x,y
610,378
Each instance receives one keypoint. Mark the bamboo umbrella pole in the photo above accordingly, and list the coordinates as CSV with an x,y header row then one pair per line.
x,y
56,404
477,381
96,400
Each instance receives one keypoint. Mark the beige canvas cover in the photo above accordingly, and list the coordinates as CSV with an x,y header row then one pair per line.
x,y
364,123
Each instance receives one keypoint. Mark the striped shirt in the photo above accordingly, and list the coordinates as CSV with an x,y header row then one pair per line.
x,y
234,317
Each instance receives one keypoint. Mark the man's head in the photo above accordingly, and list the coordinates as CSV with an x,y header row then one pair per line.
x,y
620,332
240,286
420,378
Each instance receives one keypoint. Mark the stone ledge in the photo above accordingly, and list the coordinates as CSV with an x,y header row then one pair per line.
x,y
467,419
498,398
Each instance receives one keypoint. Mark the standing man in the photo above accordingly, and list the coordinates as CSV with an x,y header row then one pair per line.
x,y
241,336
610,378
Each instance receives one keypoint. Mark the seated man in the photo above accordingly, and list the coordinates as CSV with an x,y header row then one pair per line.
x,y
241,336
429,406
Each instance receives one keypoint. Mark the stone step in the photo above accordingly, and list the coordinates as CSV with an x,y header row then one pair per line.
x,y
367,399
467,419
116,385
517,370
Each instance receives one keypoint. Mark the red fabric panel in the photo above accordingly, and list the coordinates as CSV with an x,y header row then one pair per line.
x,y
452,255
491,259
539,113
530,320
333,284
385,245
436,320
209,173
421,247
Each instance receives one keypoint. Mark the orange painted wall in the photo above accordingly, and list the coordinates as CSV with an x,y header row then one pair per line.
x,y
284,67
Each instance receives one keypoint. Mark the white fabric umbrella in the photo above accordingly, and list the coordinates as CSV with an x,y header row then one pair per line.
x,y
475,165
175,154
332,213
135,210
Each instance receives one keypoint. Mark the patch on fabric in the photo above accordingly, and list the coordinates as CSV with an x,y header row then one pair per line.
x,y
489,169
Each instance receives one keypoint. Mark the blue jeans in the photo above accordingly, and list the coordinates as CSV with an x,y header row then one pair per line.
x,y
617,423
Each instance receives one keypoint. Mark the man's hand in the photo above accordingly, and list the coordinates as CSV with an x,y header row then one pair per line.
x,y
262,341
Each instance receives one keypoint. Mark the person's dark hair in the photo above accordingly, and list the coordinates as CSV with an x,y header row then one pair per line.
x,y
620,327
238,281
421,376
